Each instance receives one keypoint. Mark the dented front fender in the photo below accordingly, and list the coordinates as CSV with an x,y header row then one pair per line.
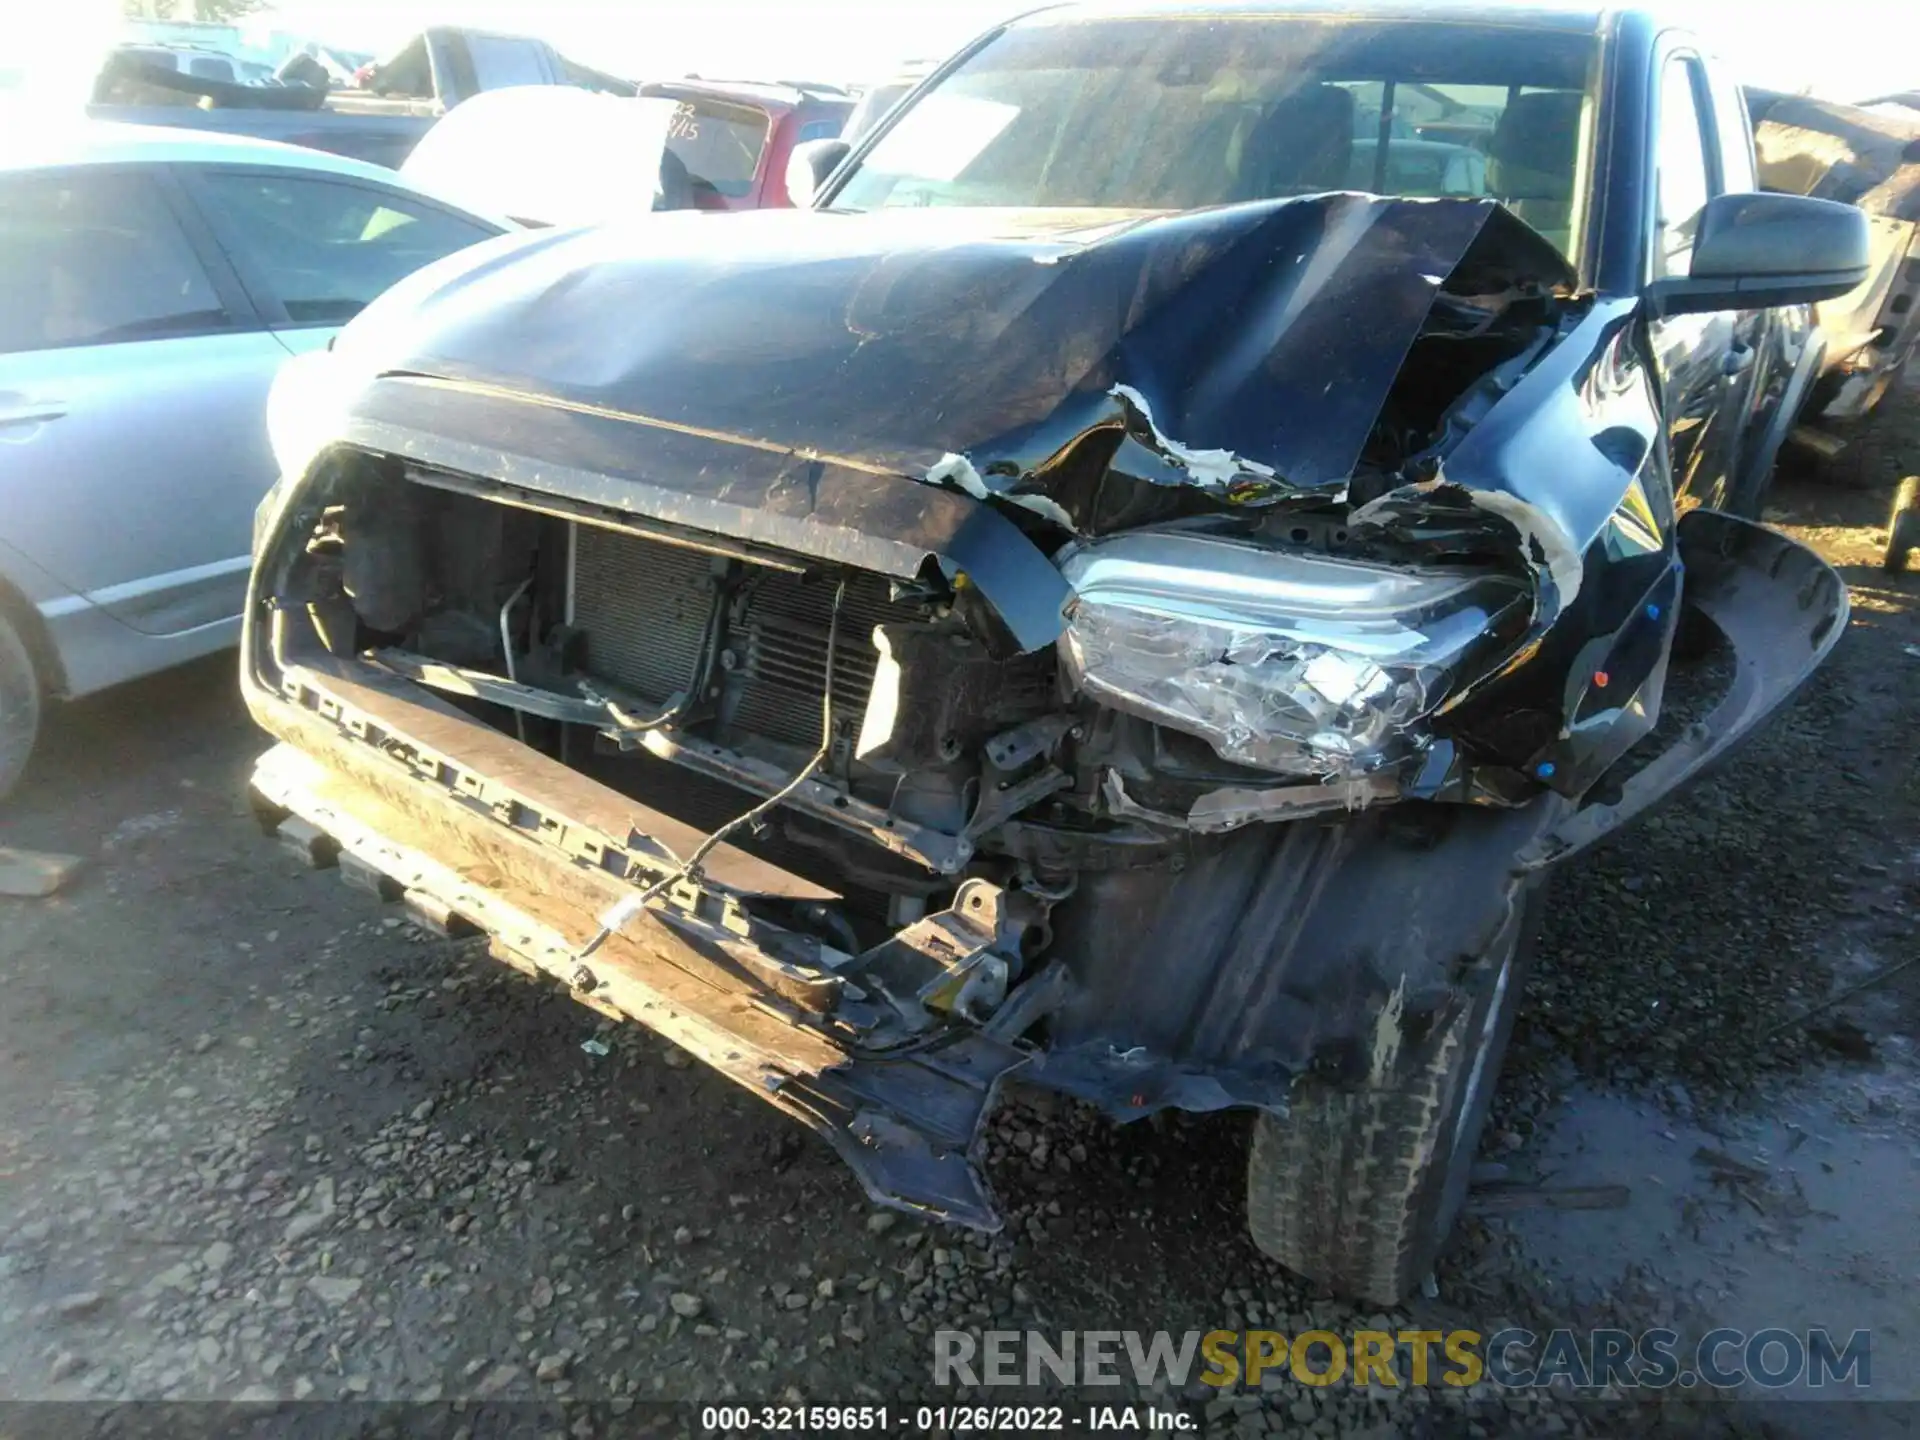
x,y
1309,946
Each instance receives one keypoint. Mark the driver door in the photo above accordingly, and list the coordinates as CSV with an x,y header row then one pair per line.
x,y
1704,361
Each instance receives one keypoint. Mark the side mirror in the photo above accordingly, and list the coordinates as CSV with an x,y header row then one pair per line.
x,y
808,167
1753,251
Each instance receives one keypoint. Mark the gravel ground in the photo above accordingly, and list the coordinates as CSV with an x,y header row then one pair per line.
x,y
260,1139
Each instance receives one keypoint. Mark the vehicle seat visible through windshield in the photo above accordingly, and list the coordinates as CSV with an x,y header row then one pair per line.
x,y
1531,160
1303,144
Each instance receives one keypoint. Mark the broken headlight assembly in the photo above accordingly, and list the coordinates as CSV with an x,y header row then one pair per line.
x,y
1280,659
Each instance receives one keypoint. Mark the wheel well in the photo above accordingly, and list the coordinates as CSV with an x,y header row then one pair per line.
x,y
32,629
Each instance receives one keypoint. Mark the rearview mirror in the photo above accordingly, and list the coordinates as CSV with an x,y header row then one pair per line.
x,y
1752,251
808,167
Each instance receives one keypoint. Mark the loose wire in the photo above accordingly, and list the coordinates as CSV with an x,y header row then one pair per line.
x,y
623,910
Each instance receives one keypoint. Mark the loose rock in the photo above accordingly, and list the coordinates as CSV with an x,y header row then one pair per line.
x,y
79,1304
65,1366
335,1290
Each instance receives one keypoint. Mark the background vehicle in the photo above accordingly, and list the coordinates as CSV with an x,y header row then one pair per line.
x,y
877,100
734,138
187,60
445,64
152,282
398,101
1870,159
1901,105
1095,595
552,155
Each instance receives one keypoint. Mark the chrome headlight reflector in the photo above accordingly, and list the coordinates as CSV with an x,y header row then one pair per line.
x,y
1280,659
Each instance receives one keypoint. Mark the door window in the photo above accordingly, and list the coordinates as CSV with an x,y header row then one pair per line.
x,y
94,259
1735,133
325,249
1682,183
500,62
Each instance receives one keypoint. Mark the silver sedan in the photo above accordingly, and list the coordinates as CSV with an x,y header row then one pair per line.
x,y
152,282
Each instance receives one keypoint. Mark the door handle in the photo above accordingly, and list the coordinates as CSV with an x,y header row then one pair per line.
x,y
32,412
1739,357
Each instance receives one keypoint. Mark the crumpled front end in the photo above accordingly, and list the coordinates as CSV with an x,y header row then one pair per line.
x,y
1161,763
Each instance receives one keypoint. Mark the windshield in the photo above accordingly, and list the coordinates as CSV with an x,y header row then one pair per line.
x,y
1173,113
720,145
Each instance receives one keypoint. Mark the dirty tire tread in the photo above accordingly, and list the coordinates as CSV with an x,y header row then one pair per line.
x,y
1335,1191
1348,1188
1903,526
19,706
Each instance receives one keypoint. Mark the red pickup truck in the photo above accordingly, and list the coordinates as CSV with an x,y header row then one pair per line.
x,y
734,137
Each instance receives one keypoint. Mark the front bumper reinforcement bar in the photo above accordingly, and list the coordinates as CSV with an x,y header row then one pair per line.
x,y
468,827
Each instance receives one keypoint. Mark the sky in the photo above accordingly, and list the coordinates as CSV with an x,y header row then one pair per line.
x,y
1844,48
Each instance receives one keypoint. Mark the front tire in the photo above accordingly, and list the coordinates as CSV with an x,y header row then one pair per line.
x,y
1903,526
1357,1187
19,706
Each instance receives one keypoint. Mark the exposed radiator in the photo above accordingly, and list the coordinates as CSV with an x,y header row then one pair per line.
x,y
644,607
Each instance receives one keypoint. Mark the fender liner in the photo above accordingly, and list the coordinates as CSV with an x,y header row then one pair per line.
x,y
1781,609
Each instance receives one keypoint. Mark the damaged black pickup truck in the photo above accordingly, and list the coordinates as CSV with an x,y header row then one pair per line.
x,y
1138,586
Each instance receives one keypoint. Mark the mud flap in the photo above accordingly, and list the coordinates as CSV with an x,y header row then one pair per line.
x,y
1779,607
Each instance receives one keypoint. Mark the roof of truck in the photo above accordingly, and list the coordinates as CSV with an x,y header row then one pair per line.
x,y
765,95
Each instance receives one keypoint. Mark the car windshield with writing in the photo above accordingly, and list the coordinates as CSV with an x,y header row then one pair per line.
x,y
720,144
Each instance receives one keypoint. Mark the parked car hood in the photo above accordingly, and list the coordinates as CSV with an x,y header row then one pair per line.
x,y
1244,350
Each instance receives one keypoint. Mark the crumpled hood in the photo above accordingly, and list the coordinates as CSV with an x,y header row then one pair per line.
x,y
1246,350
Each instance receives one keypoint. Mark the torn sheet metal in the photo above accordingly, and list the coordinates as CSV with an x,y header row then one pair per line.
x,y
1538,476
958,471
1233,806
1221,473
1244,351
1439,512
